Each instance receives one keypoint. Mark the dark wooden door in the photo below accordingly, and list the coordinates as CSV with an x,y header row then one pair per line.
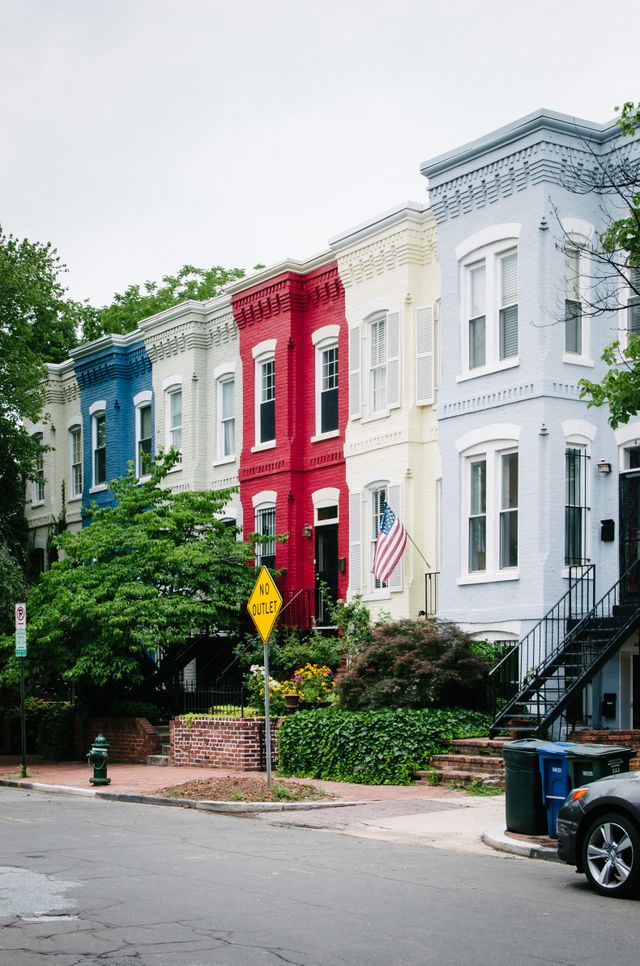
x,y
630,531
326,568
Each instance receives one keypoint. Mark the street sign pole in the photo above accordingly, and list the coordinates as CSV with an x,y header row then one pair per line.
x,y
21,653
264,606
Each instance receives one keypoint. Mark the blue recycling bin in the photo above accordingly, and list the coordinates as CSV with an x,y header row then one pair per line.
x,y
554,771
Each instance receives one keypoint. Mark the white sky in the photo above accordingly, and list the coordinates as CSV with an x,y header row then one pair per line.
x,y
138,135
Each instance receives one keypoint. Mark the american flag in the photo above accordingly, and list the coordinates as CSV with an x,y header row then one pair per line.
x,y
390,545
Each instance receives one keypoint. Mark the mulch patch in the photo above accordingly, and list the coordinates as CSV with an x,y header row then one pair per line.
x,y
228,789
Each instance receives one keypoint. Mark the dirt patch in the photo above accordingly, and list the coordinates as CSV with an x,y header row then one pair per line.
x,y
246,790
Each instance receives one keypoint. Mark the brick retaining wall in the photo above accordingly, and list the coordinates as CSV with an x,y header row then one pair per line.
x,y
220,742
131,740
626,739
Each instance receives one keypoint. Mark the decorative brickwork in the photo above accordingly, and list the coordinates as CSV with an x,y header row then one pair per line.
x,y
626,739
220,743
131,740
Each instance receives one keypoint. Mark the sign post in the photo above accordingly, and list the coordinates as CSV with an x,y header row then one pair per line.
x,y
21,653
264,606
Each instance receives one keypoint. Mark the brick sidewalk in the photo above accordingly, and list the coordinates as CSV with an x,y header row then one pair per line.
x,y
149,779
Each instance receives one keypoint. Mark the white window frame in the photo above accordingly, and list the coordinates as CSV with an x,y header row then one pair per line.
x,y
576,290
578,434
97,411
488,250
263,354
632,310
228,379
74,431
141,401
171,386
490,445
264,502
375,589
325,340
39,482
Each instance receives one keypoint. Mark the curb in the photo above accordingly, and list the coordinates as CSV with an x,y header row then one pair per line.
x,y
498,839
203,804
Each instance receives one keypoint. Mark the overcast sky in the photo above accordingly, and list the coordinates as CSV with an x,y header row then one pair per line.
x,y
138,135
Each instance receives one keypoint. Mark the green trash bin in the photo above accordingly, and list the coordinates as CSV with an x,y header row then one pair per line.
x,y
588,762
525,810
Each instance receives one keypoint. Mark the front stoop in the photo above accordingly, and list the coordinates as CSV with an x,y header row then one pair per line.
x,y
469,760
163,759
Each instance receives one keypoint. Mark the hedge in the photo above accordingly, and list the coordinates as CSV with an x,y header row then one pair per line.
x,y
382,747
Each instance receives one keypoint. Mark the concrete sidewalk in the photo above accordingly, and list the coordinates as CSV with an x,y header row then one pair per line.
x,y
422,815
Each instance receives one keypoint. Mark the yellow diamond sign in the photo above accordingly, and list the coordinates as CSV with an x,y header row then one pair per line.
x,y
264,604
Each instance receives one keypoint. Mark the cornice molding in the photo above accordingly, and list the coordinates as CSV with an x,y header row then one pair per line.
x,y
272,272
287,294
62,389
408,212
409,245
191,334
114,364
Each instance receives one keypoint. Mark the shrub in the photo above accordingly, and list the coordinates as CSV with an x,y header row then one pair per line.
x,y
128,708
372,747
289,650
415,664
56,733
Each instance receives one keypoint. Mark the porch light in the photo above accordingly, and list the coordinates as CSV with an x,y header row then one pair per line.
x,y
306,531
603,467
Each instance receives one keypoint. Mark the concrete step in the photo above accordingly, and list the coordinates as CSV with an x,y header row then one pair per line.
x,y
165,748
162,731
158,760
459,777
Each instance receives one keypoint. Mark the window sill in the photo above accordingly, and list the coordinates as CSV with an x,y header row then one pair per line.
x,y
330,435
259,447
75,499
383,594
175,469
488,578
98,488
375,416
144,479
225,459
511,363
39,503
577,360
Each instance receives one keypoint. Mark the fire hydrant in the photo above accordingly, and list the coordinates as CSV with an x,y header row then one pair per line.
x,y
98,758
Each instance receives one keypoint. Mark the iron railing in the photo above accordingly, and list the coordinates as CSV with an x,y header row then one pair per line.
x,y
550,686
298,611
201,700
431,588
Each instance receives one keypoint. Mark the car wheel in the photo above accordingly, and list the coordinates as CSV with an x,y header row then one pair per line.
x,y
611,854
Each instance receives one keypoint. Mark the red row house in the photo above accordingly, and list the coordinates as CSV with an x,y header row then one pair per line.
x,y
293,352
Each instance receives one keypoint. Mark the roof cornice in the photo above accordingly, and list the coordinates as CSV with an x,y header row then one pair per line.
x,y
408,211
280,268
538,121
105,342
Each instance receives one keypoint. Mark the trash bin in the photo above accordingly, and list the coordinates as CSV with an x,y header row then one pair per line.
x,y
553,759
588,762
525,811
566,764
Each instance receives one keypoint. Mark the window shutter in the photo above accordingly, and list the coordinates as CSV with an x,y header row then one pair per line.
x,y
393,499
634,301
354,372
393,360
424,356
355,544
509,279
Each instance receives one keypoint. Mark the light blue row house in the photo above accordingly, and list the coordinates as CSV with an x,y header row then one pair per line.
x,y
539,496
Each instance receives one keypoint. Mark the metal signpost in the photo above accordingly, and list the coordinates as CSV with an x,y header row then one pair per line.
x,y
21,652
264,606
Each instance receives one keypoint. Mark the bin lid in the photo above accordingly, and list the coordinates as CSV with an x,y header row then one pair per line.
x,y
599,751
523,746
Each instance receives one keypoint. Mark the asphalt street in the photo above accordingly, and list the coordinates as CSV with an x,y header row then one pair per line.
x,y
88,881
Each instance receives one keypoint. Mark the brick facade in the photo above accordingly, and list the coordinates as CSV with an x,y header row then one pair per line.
x,y
220,743
131,740
625,739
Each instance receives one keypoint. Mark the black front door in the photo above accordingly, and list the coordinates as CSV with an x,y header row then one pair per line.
x,y
630,530
326,568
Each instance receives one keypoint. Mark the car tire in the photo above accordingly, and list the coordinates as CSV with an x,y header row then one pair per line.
x,y
611,854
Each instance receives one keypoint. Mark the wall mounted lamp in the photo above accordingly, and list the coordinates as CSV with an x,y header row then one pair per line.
x,y
603,467
306,531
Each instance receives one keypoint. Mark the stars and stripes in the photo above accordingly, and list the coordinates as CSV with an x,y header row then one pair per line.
x,y
390,544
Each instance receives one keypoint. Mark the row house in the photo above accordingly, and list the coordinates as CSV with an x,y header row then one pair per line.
x,y
293,351
540,497
390,273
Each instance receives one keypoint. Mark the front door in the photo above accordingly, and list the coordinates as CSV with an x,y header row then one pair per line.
x,y
326,568
630,530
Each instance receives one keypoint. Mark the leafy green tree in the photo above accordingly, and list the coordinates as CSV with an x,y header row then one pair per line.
x,y
147,573
139,302
615,257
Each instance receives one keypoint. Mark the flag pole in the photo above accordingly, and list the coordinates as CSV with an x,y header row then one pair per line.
x,y
418,549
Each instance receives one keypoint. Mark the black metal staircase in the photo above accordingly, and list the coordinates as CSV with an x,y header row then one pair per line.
x,y
544,674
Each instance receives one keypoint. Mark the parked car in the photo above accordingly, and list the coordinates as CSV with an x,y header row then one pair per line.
x,y
599,833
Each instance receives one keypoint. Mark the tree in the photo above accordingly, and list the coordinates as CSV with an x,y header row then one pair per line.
x,y
139,302
37,325
615,257
147,573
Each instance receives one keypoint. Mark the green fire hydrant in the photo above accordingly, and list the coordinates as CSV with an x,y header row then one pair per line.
x,y
98,758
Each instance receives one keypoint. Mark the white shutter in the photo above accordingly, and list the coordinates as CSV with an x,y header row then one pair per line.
x,y
354,372
424,356
393,499
355,544
393,360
